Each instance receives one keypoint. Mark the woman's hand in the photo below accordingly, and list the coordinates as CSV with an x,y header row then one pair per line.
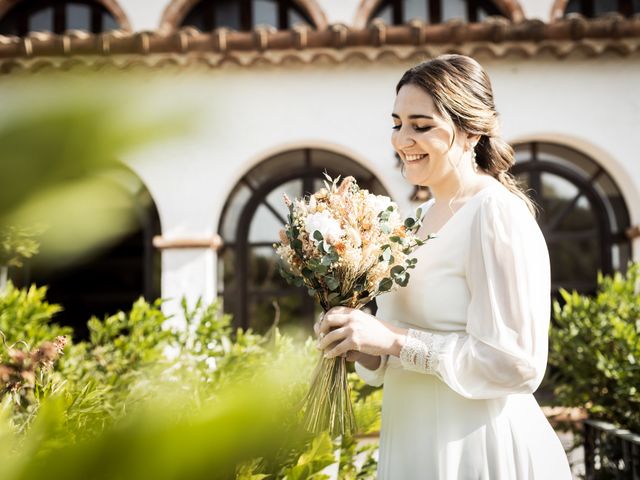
x,y
357,335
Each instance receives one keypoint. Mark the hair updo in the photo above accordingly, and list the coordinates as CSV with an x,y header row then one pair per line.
x,y
462,94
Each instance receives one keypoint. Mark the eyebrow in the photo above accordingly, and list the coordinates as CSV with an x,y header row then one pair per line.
x,y
412,117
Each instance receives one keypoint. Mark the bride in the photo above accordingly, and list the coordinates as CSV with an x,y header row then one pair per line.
x,y
461,349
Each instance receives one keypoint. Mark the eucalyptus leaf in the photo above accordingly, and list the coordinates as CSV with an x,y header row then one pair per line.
x,y
385,284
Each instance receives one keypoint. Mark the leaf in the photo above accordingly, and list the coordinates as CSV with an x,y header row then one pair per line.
x,y
385,284
318,236
397,270
409,222
331,282
313,461
326,260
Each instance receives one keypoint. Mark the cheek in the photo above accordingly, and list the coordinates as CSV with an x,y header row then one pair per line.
x,y
394,140
438,142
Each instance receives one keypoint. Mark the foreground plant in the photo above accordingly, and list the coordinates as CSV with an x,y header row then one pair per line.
x,y
346,246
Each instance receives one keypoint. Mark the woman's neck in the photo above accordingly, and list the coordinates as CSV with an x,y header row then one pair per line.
x,y
459,189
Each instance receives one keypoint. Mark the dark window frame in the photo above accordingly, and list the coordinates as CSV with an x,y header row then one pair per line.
x,y
587,8
435,9
246,19
586,184
17,18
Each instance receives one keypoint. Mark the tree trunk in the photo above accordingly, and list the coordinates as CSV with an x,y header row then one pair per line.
x,y
4,275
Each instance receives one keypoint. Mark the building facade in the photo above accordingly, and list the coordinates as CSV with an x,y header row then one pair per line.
x,y
285,90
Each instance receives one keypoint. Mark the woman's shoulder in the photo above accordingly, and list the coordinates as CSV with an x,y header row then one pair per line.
x,y
501,201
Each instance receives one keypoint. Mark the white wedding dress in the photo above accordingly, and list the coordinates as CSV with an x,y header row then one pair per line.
x,y
458,403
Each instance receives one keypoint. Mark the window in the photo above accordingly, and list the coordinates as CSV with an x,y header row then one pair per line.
x,y
248,278
398,12
582,213
245,14
595,8
55,16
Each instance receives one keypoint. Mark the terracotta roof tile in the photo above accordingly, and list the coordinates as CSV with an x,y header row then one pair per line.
x,y
496,36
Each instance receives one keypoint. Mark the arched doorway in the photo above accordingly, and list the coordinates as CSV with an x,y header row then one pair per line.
x,y
248,277
114,277
583,214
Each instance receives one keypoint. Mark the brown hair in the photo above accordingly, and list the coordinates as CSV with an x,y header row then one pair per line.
x,y
461,91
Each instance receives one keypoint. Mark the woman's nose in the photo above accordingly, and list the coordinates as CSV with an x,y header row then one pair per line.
x,y
403,139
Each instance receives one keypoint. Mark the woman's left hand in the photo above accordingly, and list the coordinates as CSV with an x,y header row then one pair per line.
x,y
344,329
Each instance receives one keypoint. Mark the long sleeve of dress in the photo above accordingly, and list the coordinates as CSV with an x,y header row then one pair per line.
x,y
375,377
504,348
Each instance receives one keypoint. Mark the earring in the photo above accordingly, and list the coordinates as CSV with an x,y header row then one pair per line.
x,y
473,159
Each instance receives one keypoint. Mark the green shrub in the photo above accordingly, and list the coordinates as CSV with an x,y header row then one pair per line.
x,y
26,316
595,348
134,378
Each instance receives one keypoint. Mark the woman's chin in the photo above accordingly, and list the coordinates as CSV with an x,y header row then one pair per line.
x,y
415,177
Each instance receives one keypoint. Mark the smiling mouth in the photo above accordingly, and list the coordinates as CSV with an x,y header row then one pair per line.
x,y
415,158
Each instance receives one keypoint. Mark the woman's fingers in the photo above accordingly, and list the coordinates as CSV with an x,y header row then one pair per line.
x,y
333,320
340,349
330,338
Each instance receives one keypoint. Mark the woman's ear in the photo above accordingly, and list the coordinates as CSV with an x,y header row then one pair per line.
x,y
472,141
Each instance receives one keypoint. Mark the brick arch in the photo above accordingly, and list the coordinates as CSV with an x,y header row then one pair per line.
x,y
177,10
111,5
511,8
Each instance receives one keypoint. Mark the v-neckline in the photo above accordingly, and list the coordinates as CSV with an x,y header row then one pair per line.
x,y
470,200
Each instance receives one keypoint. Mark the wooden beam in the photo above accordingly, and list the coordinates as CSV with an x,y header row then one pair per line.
x,y
161,243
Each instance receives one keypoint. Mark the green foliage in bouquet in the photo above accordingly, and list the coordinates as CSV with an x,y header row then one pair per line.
x,y
595,348
327,267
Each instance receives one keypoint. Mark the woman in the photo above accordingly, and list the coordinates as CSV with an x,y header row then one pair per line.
x,y
462,348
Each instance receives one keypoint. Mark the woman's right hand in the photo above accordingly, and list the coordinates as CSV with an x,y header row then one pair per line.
x,y
372,362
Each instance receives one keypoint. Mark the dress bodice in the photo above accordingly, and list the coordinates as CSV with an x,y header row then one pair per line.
x,y
437,295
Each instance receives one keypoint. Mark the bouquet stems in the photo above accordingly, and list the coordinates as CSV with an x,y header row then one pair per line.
x,y
327,405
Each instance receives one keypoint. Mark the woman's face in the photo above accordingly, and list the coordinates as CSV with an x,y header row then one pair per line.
x,y
423,138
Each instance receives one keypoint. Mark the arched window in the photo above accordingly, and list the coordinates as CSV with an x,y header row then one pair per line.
x,y
398,12
595,8
113,278
248,277
245,14
58,16
582,213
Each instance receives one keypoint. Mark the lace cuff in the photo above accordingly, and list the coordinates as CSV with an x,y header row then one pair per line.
x,y
420,351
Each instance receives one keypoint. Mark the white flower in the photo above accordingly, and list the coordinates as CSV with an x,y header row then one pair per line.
x,y
325,224
379,202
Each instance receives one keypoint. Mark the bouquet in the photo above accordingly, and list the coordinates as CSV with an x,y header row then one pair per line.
x,y
346,246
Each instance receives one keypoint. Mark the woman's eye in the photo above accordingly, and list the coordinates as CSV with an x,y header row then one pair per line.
x,y
422,129
396,127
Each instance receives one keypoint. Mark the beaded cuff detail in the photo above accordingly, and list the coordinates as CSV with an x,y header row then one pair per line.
x,y
420,351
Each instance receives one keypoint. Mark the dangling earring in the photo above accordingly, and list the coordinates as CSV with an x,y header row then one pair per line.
x,y
473,159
